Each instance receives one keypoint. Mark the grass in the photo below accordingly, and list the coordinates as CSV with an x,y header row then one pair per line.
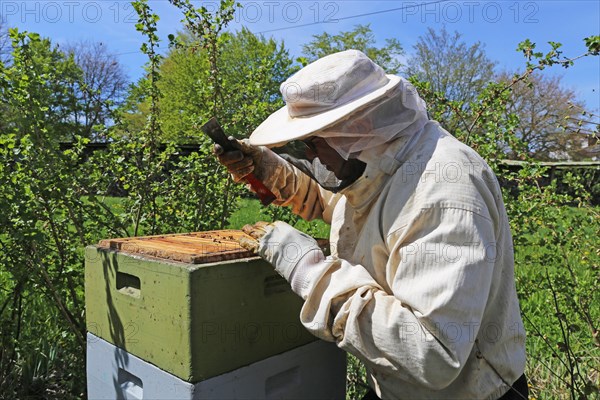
x,y
250,211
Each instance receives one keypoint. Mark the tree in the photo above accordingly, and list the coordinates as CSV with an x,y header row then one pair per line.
x,y
251,69
360,38
5,47
56,74
40,223
549,116
103,88
450,66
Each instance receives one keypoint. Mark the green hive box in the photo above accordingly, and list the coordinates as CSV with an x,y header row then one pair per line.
x,y
208,313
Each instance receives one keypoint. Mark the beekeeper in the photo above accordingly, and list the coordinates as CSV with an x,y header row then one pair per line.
x,y
420,281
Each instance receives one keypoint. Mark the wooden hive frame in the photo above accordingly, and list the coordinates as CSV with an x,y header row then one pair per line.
x,y
193,248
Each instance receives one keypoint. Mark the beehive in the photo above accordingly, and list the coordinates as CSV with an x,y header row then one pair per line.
x,y
316,370
195,305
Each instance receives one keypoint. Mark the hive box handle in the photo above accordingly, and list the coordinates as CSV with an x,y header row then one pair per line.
x,y
129,284
132,387
277,386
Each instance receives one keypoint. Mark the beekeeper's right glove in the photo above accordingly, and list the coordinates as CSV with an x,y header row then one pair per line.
x,y
240,162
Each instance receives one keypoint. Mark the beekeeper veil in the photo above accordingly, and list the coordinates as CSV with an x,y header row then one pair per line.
x,y
401,112
349,101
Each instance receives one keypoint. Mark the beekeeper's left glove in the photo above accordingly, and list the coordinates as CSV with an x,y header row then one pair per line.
x,y
295,255
256,231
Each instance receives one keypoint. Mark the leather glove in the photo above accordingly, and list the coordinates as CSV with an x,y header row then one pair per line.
x,y
239,162
295,255
256,231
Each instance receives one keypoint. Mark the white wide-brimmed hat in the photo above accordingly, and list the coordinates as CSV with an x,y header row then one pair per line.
x,y
323,93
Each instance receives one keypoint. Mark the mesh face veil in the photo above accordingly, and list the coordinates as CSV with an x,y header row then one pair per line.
x,y
401,113
366,132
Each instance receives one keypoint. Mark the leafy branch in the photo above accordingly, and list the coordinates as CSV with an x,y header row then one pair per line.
x,y
206,28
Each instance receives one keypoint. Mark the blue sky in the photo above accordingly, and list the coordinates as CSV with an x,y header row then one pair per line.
x,y
500,25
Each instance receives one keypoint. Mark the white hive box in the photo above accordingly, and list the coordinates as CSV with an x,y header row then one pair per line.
x,y
314,371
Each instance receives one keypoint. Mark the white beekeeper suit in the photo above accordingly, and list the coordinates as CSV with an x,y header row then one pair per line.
x,y
420,281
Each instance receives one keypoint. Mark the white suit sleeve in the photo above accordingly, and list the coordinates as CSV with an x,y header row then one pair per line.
x,y
440,267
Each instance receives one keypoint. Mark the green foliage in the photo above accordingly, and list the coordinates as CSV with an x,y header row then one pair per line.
x,y
360,38
251,69
232,76
556,251
166,192
37,89
43,225
356,385
52,206
248,211
593,44
53,201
